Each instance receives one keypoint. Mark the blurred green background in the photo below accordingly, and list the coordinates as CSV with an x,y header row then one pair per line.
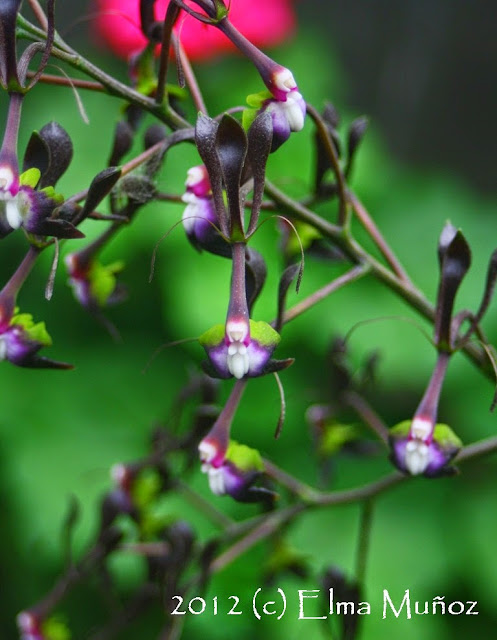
x,y
61,432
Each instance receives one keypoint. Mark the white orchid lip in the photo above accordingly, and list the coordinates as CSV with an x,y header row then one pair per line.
x,y
238,360
237,333
12,213
294,112
216,480
417,456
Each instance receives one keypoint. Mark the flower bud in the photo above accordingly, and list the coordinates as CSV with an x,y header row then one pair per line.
x,y
265,24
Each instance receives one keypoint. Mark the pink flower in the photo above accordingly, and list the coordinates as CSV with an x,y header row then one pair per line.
x,y
264,23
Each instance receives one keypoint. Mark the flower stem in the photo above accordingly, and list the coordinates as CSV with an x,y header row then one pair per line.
x,y
350,276
477,449
191,81
300,489
375,234
324,134
9,144
238,295
411,294
220,431
113,87
48,78
39,14
172,13
267,527
428,407
363,545
9,293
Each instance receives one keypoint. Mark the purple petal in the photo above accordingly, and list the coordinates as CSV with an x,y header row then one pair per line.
x,y
218,357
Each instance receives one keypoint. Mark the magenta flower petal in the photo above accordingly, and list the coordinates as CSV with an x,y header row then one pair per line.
x,y
266,24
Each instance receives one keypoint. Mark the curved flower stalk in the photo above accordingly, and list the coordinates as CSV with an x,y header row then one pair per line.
x,y
232,469
18,204
20,337
9,165
266,24
423,446
29,200
282,101
241,347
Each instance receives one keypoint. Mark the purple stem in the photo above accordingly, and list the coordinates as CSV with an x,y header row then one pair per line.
x,y
9,144
428,407
264,64
9,293
238,297
220,431
172,13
